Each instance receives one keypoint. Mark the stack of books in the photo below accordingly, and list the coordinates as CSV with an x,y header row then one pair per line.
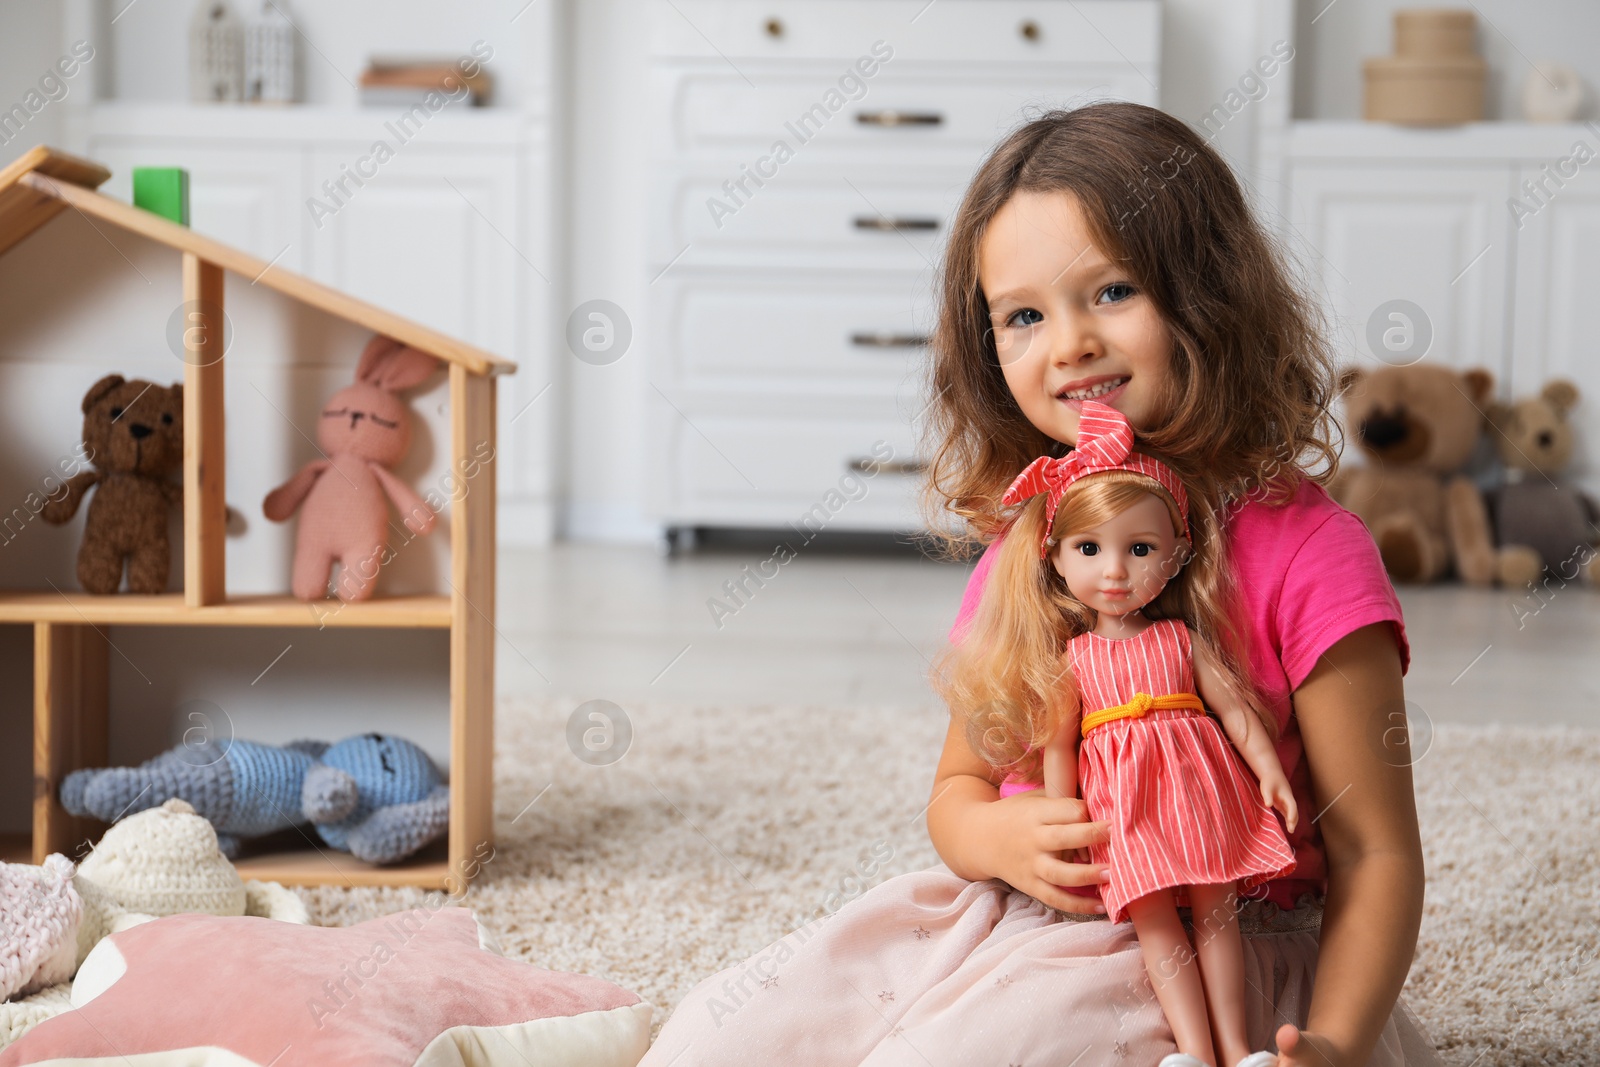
x,y
402,82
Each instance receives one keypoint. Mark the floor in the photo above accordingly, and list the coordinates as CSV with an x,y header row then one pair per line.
x,y
860,627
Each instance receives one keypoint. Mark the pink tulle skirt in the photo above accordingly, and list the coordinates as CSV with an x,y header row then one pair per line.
x,y
931,969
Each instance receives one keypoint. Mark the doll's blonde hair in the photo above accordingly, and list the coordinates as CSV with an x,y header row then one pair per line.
x,y
1008,676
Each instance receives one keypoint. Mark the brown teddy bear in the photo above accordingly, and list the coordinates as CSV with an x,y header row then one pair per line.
x,y
1418,426
134,434
1537,523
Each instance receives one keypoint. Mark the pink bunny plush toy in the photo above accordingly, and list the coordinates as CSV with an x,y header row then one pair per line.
x,y
364,430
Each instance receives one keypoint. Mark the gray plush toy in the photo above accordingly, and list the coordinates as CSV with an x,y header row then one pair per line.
x,y
376,796
1544,530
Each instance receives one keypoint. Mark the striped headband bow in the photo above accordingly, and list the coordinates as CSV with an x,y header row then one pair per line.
x,y
1105,443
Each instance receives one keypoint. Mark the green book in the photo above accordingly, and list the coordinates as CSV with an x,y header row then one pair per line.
x,y
163,191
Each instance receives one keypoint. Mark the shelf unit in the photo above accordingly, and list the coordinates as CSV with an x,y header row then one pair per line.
x,y
71,651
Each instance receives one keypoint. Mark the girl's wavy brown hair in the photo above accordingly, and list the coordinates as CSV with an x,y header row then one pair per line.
x,y
1245,412
1009,677
1248,405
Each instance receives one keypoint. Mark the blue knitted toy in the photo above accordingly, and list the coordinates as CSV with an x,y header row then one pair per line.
x,y
375,796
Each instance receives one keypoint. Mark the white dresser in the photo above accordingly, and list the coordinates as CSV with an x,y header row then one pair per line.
x,y
807,157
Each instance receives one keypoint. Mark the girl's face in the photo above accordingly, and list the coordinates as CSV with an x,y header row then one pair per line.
x,y
1124,563
1068,321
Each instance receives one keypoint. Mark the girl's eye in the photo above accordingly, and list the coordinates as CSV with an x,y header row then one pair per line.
x,y
1025,317
1088,548
1116,293
1143,549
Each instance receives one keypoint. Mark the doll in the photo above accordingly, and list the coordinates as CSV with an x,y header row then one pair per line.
x,y
1134,730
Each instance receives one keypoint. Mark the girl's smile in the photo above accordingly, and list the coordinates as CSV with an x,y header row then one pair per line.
x,y
1069,324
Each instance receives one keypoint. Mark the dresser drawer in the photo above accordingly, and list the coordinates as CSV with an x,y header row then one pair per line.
x,y
813,219
945,31
838,336
812,474
808,110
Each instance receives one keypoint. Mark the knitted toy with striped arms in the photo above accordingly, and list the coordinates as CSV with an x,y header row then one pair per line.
x,y
376,796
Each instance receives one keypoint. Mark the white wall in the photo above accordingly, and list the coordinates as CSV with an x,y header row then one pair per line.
x,y
30,39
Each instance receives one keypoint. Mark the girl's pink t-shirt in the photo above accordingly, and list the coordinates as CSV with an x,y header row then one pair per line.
x,y
1309,574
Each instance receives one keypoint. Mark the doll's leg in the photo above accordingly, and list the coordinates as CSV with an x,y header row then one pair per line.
x,y
1169,961
1216,936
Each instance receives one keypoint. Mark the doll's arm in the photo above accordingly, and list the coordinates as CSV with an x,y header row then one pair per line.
x,y
1245,731
1373,845
61,509
1061,763
285,500
418,516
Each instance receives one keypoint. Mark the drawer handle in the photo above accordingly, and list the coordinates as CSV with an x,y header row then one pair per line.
x,y
774,27
899,118
889,340
1029,30
886,224
868,465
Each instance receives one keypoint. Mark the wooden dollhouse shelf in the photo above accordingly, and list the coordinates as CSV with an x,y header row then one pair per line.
x,y
306,864
71,660
16,848
169,609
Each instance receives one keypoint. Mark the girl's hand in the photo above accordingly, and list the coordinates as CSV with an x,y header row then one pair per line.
x,y
1277,794
1030,832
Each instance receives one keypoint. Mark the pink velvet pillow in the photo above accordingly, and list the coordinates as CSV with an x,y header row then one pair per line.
x,y
414,987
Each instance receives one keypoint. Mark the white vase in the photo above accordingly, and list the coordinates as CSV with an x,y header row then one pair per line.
x,y
216,54
271,60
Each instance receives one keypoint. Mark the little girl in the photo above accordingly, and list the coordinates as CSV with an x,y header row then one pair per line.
x,y
1107,253
1114,529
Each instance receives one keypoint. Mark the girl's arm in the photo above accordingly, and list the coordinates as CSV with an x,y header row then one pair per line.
x,y
1244,729
1019,839
1374,849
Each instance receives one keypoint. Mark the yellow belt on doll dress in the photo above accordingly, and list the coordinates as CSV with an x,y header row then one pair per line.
x,y
1141,703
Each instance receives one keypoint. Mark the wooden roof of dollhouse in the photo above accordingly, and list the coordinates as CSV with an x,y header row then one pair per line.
x,y
44,182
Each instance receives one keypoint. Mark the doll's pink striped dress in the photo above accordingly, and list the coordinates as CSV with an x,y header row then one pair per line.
x,y
1184,807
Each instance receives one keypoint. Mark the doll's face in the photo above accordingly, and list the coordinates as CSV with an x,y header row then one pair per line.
x,y
1068,318
1124,563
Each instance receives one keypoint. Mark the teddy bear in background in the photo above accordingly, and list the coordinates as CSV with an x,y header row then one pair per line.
x,y
377,796
1539,525
1418,427
134,433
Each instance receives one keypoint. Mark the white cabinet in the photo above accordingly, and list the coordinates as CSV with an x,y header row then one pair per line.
x,y
1436,236
450,228
425,237
1558,280
807,158
248,197
1491,229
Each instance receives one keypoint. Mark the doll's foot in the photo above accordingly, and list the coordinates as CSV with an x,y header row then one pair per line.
x,y
1260,1059
1181,1059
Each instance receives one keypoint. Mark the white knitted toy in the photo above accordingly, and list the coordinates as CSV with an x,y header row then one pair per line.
x,y
163,861
40,912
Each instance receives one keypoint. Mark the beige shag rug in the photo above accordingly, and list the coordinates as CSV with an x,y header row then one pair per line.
x,y
722,826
